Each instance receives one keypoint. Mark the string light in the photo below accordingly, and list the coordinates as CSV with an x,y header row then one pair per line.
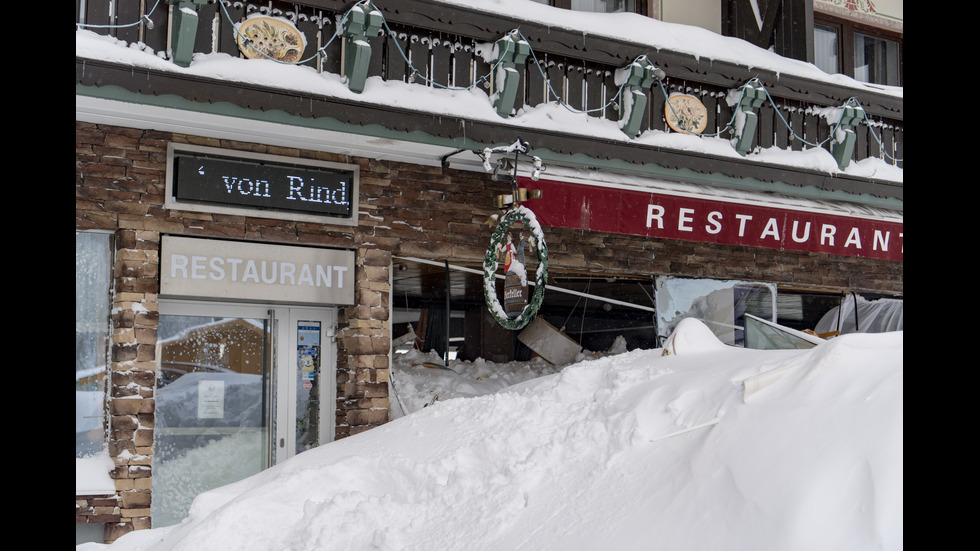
x,y
145,18
415,74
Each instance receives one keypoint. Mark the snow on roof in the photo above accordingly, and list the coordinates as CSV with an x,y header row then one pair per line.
x,y
473,103
661,35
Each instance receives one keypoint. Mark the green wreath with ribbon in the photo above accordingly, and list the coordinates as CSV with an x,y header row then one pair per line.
x,y
517,214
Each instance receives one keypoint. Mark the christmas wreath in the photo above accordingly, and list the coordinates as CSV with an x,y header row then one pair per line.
x,y
537,242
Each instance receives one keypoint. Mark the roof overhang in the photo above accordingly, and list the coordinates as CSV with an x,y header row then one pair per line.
x,y
152,99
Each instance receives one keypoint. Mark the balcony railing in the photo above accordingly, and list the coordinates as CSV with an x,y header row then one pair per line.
x,y
440,45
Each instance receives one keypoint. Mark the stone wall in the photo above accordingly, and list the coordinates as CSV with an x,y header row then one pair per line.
x,y
134,318
363,345
97,509
602,253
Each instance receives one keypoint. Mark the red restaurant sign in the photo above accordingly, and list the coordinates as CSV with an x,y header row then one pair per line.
x,y
632,211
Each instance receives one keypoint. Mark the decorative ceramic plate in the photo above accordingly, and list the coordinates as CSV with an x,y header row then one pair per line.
x,y
270,38
685,114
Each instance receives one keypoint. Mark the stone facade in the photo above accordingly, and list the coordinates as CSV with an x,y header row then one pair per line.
x,y
363,345
97,509
405,210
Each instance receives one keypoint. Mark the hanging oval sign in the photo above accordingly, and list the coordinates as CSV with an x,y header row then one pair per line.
x,y
518,309
270,38
686,114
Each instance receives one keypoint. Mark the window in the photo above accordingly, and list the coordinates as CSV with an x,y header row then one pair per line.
x,y
93,277
737,311
720,304
212,407
222,413
826,46
875,60
607,6
604,6
865,53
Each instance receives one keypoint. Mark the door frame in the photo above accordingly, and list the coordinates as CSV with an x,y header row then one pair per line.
x,y
286,369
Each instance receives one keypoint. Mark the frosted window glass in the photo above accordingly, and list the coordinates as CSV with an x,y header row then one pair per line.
x,y
93,272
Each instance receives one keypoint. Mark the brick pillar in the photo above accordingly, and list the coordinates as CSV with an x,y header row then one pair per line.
x,y
135,315
363,347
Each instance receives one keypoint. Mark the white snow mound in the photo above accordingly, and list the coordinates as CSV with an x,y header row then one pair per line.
x,y
636,451
692,336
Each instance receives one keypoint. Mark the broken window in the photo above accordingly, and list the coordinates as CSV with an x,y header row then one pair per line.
x,y
728,306
719,304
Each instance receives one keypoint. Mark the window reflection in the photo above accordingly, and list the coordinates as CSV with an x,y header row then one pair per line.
x,y
875,60
93,271
720,304
212,408
825,49
606,6
734,309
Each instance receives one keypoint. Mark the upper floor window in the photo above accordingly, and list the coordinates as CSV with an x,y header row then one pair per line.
x,y
826,48
875,60
864,53
605,6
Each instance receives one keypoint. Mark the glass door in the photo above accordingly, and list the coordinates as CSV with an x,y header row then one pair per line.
x,y
239,388
307,391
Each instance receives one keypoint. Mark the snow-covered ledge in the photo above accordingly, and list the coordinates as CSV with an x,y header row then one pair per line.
x,y
92,475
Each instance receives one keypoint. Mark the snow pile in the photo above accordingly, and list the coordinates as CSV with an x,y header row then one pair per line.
x,y
655,449
872,316
420,379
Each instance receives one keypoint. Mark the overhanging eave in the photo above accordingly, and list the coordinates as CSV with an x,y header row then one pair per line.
x,y
458,133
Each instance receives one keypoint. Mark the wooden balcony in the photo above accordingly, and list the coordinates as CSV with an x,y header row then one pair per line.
x,y
442,45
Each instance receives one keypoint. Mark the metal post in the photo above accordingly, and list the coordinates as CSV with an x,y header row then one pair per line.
x,y
448,315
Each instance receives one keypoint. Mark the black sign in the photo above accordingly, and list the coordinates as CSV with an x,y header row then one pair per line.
x,y
263,185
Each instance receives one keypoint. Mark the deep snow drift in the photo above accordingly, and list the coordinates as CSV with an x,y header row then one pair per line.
x,y
694,446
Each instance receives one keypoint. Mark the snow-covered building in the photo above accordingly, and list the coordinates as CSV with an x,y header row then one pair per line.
x,y
294,190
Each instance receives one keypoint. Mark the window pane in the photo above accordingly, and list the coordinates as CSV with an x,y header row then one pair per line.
x,y
721,305
762,335
92,283
308,386
875,60
608,6
212,408
825,48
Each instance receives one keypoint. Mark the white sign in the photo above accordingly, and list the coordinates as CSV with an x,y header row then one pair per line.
x,y
230,270
210,399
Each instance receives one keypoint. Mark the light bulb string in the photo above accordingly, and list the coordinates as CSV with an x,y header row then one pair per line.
x,y
552,93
